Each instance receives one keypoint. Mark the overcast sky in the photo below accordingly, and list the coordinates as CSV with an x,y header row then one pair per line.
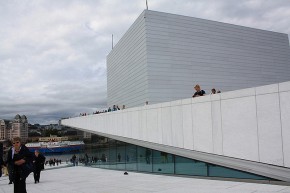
x,y
53,53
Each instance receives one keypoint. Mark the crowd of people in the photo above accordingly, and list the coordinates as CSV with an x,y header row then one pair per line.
x,y
86,160
114,108
200,92
53,162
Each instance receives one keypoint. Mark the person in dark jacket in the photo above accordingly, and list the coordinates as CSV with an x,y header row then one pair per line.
x,y
38,161
10,169
19,156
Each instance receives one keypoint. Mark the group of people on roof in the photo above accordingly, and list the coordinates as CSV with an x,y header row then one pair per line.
x,y
200,92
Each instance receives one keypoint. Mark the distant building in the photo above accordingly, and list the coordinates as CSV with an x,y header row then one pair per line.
x,y
14,128
4,126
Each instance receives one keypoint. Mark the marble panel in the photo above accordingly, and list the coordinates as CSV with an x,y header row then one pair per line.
x,y
109,122
174,103
140,126
215,97
129,122
152,125
116,130
238,93
285,118
121,130
267,89
166,104
239,124
202,127
103,125
269,129
125,125
284,86
186,101
159,126
135,124
176,128
201,99
144,125
166,126
154,106
187,127
217,127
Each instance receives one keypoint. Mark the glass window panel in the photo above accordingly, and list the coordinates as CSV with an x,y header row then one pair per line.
x,y
131,157
190,167
108,153
144,159
219,171
163,162
104,157
121,155
112,154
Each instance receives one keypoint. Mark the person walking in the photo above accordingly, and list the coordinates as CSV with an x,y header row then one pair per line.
x,y
38,161
74,159
10,170
21,158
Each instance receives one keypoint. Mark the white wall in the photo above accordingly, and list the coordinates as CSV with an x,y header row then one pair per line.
x,y
126,68
162,56
251,124
183,51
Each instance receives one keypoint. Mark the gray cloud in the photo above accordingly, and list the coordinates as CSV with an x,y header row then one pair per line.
x,y
53,53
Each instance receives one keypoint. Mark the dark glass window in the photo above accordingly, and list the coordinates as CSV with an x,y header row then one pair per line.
x,y
112,154
144,159
190,167
121,156
131,157
219,171
163,162
108,153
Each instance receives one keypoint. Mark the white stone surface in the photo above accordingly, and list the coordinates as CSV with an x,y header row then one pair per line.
x,y
285,118
135,125
272,88
124,124
177,131
202,127
251,124
187,127
160,131
240,137
269,129
152,125
94,180
284,86
217,128
166,126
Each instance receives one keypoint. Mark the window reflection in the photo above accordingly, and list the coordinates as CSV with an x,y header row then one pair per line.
x,y
163,162
108,153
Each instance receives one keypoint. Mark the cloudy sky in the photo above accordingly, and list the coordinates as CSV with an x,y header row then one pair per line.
x,y
53,52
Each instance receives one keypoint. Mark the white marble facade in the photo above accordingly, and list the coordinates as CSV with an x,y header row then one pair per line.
x,y
251,124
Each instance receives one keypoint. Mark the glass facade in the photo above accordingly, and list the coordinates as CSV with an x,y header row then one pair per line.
x,y
112,154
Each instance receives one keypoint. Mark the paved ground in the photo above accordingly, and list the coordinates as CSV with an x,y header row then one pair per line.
x,y
93,180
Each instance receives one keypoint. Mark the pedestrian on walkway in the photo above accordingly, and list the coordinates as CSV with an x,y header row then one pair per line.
x,y
38,162
21,159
